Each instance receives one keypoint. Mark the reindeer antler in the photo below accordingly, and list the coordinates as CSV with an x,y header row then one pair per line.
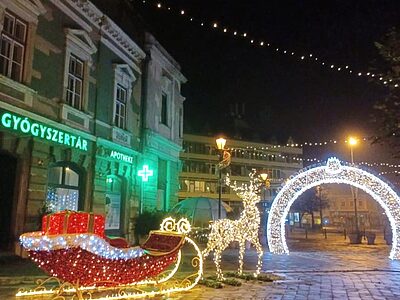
x,y
252,188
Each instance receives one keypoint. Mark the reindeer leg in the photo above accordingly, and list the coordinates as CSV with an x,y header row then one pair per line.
x,y
242,247
206,252
217,261
258,246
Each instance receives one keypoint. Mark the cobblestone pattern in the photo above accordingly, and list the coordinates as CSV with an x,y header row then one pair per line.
x,y
312,286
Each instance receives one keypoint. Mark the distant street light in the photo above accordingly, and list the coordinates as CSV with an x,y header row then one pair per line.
x,y
319,189
220,146
264,176
265,186
266,183
353,142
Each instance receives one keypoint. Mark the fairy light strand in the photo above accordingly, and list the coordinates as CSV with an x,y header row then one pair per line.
x,y
257,42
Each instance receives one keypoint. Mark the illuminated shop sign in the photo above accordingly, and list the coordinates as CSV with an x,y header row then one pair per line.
x,y
145,173
120,156
26,125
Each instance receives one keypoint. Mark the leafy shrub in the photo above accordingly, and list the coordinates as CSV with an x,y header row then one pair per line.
x,y
147,221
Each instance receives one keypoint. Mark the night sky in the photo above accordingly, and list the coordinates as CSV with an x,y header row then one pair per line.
x,y
283,95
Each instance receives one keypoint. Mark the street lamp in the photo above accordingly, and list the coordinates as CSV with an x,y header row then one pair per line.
x,y
353,142
220,146
319,188
264,176
265,186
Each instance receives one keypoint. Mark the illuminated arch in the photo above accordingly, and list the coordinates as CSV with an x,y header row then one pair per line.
x,y
332,172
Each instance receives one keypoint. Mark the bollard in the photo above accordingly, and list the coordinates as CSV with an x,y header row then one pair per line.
x,y
306,234
344,232
325,233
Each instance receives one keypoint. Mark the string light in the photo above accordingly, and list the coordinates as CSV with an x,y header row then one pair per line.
x,y
263,154
300,145
379,164
332,172
311,58
389,172
225,231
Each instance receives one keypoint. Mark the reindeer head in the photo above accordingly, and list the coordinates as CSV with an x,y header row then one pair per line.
x,y
248,192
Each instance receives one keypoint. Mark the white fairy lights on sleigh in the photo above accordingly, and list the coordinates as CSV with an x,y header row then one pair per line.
x,y
246,228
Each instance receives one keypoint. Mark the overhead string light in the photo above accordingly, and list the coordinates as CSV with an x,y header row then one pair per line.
x,y
361,163
390,173
257,42
258,154
298,145
379,164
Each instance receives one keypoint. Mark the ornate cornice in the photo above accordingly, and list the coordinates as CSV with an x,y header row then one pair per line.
x,y
110,29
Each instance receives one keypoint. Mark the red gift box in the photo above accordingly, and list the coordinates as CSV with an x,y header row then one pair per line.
x,y
73,222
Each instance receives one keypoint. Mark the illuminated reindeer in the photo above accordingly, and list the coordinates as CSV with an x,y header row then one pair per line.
x,y
225,231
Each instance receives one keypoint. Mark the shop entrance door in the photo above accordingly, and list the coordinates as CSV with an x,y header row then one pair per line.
x,y
7,187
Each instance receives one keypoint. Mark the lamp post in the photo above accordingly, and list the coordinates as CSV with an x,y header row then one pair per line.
x,y
353,142
265,186
264,177
220,146
319,188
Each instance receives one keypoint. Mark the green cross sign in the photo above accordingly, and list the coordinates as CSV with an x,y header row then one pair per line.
x,y
145,173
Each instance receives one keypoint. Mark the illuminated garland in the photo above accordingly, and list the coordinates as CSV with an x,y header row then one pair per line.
x,y
256,42
296,145
379,164
224,231
389,172
332,172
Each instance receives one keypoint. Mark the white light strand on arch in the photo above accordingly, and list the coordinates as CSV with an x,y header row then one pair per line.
x,y
332,172
257,42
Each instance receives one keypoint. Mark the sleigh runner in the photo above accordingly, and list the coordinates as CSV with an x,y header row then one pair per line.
x,y
84,264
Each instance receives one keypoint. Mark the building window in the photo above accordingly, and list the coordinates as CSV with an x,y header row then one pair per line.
x,y
120,107
12,47
124,79
113,203
164,109
78,60
63,188
75,82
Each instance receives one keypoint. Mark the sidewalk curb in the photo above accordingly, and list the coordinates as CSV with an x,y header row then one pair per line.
x,y
15,280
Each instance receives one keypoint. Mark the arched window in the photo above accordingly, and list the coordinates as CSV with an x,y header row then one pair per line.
x,y
63,187
113,203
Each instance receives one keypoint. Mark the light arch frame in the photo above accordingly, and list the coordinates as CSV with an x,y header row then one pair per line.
x,y
332,172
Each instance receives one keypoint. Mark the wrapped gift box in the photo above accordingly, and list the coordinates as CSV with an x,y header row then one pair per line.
x,y
73,222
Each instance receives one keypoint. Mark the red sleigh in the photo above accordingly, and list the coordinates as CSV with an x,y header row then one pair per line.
x,y
72,249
